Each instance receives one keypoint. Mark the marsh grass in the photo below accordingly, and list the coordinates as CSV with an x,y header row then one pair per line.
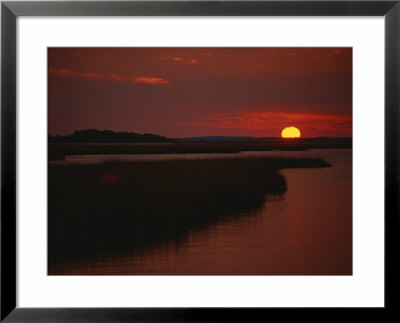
x,y
58,151
115,207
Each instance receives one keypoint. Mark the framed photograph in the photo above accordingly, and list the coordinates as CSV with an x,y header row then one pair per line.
x,y
198,160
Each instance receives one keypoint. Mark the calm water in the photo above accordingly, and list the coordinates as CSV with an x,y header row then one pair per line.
x,y
306,231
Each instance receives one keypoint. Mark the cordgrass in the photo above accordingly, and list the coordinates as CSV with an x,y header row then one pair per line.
x,y
116,207
58,151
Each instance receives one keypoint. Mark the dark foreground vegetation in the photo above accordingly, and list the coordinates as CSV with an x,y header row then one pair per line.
x,y
58,151
115,208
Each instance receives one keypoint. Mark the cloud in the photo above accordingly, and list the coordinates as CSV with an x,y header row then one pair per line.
x,y
110,77
273,119
62,71
92,75
262,120
331,54
181,59
149,80
68,72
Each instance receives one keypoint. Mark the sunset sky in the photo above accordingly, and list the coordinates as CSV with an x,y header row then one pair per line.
x,y
184,92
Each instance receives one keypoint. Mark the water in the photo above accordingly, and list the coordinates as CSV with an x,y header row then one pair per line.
x,y
306,231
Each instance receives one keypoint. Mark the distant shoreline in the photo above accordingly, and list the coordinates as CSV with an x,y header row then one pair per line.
x,y
58,151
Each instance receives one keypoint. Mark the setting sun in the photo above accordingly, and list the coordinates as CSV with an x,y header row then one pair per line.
x,y
290,132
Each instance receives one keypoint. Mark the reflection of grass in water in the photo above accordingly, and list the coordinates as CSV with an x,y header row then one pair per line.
x,y
121,206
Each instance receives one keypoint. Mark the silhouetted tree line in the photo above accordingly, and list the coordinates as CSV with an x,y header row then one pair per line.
x,y
106,136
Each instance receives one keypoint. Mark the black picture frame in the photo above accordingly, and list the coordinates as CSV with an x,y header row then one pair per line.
x,y
10,10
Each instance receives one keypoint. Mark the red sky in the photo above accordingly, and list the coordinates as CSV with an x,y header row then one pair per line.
x,y
184,92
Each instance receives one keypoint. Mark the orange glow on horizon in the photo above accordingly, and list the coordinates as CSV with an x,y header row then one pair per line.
x,y
291,132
